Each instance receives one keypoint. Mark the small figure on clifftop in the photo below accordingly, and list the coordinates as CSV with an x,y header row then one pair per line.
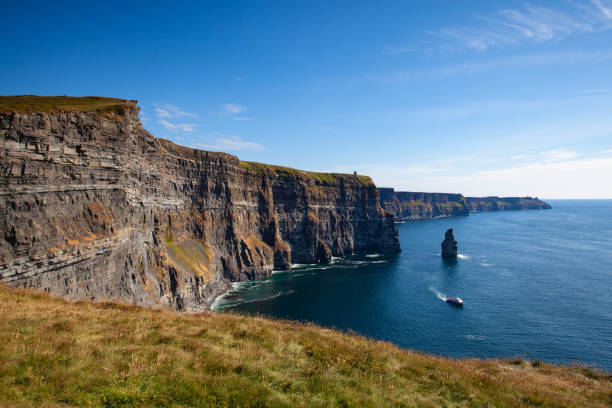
x,y
449,245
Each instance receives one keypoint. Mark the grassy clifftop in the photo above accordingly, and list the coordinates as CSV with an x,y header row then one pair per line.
x,y
326,178
34,103
56,353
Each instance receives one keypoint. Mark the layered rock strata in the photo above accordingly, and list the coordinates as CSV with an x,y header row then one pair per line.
x,y
484,204
95,207
407,205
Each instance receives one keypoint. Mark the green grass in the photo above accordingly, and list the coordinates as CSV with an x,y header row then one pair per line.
x,y
57,354
288,172
33,103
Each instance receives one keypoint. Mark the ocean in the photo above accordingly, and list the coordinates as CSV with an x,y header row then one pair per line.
x,y
536,284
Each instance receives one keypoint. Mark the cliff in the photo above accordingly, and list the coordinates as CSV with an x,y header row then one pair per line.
x,y
406,205
483,204
95,207
61,354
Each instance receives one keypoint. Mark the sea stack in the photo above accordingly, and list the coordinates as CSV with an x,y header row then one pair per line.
x,y
449,245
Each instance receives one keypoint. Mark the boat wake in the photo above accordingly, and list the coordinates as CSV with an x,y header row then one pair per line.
x,y
438,294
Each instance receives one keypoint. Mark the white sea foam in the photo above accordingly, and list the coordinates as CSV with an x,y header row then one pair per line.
x,y
438,294
334,259
475,337
293,266
220,304
372,255
462,256
486,264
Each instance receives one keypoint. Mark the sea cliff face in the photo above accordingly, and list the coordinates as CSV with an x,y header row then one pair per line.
x,y
484,204
407,205
95,207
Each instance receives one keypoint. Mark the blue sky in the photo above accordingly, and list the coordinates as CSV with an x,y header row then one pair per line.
x,y
477,97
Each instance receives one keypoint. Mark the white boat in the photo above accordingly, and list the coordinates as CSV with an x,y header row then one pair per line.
x,y
455,301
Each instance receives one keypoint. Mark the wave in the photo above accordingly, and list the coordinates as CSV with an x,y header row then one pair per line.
x,y
486,264
293,266
462,256
372,255
220,304
475,337
438,294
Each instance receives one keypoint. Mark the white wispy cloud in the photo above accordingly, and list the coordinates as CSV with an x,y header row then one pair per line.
x,y
175,127
570,178
168,114
223,142
167,111
558,155
471,68
607,151
605,9
558,173
232,111
528,24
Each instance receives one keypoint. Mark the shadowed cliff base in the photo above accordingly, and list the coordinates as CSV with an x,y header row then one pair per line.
x,y
94,207
56,353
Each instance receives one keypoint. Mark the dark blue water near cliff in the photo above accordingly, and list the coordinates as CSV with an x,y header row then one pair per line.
x,y
536,284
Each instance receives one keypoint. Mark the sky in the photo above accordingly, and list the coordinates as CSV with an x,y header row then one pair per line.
x,y
476,97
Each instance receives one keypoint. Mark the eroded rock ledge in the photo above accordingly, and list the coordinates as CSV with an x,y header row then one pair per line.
x,y
95,207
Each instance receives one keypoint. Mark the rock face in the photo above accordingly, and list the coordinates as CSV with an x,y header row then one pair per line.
x,y
449,245
406,205
95,207
483,204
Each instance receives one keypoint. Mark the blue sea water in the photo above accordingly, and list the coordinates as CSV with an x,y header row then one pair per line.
x,y
536,284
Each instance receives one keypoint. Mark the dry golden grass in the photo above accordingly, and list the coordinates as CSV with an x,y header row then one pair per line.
x,y
55,353
34,103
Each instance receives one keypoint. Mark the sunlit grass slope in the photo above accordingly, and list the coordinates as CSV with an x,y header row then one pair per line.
x,y
35,103
56,353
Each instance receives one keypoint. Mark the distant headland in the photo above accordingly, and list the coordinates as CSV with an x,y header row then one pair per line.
x,y
408,205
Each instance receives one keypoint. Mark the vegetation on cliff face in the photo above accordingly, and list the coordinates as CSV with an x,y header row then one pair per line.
x,y
51,104
55,353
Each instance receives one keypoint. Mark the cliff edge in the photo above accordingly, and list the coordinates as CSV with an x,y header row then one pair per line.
x,y
95,207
